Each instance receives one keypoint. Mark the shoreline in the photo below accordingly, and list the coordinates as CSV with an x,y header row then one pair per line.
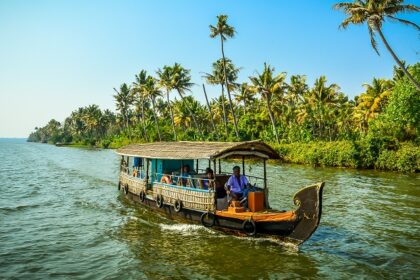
x,y
333,154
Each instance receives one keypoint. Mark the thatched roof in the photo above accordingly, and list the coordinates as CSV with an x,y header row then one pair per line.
x,y
199,150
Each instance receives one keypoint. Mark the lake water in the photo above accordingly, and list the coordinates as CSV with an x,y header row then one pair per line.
x,y
61,216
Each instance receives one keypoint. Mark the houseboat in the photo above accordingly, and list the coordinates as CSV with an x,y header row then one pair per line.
x,y
166,177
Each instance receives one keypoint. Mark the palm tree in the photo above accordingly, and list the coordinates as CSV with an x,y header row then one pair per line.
x,y
210,114
374,13
181,82
182,111
217,77
92,118
268,86
137,89
166,82
373,100
296,89
245,95
151,91
224,31
124,99
321,99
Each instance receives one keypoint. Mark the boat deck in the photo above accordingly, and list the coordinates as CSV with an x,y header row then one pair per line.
x,y
261,216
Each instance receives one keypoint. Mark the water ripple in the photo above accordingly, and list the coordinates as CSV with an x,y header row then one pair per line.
x,y
62,217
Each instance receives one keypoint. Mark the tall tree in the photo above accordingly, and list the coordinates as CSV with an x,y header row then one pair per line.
x,y
152,91
181,81
138,91
374,13
166,82
268,85
124,99
321,100
210,114
224,31
217,77
245,95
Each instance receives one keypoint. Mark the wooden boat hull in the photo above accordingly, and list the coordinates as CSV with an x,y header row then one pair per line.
x,y
299,227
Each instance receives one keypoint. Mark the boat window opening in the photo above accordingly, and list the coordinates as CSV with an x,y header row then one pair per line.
x,y
257,180
138,169
123,165
195,182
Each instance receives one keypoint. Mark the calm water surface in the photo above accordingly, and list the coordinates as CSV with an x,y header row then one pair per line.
x,y
61,216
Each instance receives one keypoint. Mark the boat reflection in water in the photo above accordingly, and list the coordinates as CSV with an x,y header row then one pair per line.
x,y
162,176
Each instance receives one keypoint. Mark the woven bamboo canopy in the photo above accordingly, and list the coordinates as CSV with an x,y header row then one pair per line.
x,y
199,150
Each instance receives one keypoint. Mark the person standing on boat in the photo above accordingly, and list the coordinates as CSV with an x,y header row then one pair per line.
x,y
236,185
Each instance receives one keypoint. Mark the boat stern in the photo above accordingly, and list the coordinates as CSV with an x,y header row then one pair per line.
x,y
309,202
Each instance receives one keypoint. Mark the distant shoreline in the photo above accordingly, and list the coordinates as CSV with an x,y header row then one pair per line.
x,y
335,154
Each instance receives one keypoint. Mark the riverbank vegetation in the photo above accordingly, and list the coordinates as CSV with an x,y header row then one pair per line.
x,y
314,124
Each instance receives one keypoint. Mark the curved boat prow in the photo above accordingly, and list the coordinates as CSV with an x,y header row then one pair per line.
x,y
309,202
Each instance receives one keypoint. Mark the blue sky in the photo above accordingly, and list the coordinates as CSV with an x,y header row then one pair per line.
x,y
56,56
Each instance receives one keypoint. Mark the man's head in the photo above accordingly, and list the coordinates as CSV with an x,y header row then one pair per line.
x,y
186,168
236,171
209,173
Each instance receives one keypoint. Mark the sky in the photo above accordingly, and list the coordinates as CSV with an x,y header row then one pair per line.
x,y
56,56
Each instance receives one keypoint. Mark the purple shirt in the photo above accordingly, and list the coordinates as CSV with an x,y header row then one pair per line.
x,y
235,185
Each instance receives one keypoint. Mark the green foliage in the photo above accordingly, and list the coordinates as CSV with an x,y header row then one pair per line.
x,y
401,118
405,159
338,154
315,125
371,153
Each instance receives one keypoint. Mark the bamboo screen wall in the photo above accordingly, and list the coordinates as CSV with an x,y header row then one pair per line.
x,y
190,198
135,185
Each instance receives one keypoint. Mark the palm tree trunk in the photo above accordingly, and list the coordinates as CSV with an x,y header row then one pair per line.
x,y
128,126
415,83
228,91
211,116
142,120
172,114
270,113
224,111
154,116
191,113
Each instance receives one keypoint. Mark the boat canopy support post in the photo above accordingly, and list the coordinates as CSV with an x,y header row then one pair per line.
x,y
220,167
265,174
214,165
156,170
196,166
181,173
243,165
147,171
267,204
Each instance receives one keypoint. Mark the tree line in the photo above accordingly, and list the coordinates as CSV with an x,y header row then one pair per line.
x,y
269,105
